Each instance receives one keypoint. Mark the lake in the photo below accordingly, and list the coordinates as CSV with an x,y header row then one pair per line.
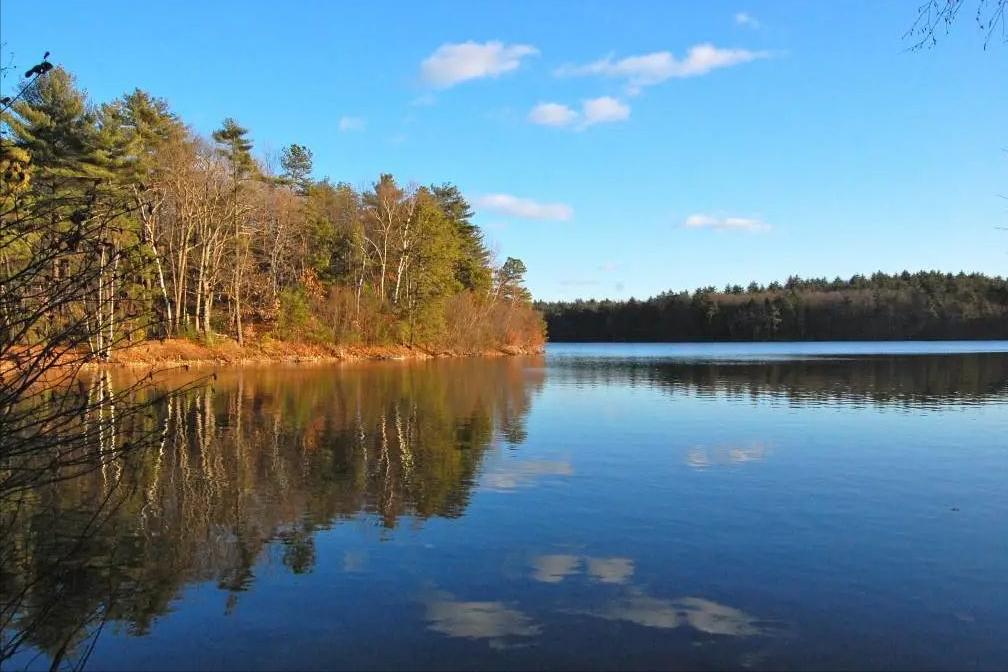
x,y
675,506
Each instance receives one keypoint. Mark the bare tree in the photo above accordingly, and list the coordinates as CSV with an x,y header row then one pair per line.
x,y
936,16
66,254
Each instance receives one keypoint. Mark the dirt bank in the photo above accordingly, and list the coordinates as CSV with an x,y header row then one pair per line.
x,y
228,352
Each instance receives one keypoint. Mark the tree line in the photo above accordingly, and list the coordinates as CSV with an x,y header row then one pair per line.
x,y
904,306
190,236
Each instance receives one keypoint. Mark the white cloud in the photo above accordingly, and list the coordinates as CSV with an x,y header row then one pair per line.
x,y
702,221
593,111
454,63
656,67
351,124
604,109
746,19
552,114
525,208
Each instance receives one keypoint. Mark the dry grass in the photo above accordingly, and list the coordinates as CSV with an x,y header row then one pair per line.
x,y
226,351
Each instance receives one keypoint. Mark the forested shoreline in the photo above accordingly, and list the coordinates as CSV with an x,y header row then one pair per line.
x,y
927,305
122,225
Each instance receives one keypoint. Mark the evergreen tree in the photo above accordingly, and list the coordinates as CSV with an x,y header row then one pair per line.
x,y
433,278
54,123
296,161
472,269
511,280
925,305
235,145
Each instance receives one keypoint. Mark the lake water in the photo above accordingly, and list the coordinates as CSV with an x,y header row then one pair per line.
x,y
786,506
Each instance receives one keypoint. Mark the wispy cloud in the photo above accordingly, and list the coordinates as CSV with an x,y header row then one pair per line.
x,y
657,67
747,20
593,111
451,64
552,114
702,221
347,124
525,208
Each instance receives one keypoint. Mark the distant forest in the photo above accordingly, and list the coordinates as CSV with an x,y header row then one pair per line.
x,y
924,305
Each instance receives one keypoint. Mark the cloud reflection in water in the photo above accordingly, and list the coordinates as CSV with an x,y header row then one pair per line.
x,y
495,622
517,474
696,612
634,606
700,457
610,570
556,568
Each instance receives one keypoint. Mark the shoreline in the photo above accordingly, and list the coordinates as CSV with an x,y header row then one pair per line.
x,y
227,352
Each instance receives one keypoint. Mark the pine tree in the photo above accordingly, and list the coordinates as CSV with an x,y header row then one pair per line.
x,y
296,161
54,123
145,128
77,160
472,269
432,277
235,145
511,280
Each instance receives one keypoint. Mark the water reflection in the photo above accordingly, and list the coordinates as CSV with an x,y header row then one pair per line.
x,y
702,457
522,473
495,622
246,459
634,605
556,568
694,612
610,570
608,517
908,380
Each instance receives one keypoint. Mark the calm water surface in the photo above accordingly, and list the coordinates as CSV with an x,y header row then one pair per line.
x,y
795,506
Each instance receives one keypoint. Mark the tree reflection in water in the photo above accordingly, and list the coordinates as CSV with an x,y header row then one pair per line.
x,y
268,457
885,380
243,459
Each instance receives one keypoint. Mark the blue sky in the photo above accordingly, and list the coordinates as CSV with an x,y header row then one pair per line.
x,y
619,149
